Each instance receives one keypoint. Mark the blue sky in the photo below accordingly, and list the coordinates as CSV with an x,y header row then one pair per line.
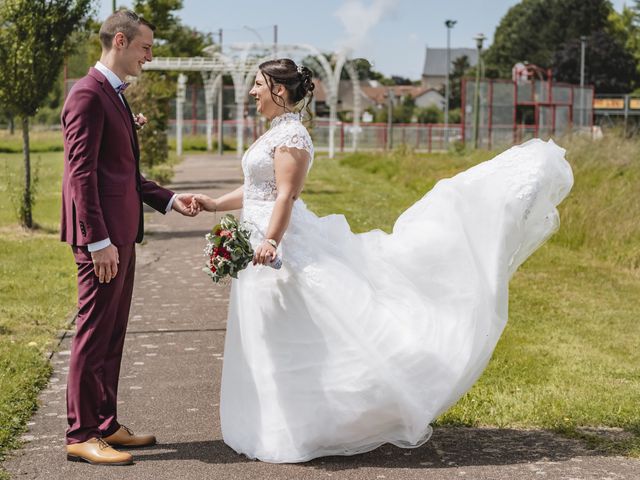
x,y
397,31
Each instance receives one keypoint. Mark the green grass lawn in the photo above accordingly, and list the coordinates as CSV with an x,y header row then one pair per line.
x,y
37,291
569,356
47,167
37,278
41,141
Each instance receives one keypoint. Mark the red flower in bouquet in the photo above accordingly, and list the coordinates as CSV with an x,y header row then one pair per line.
x,y
228,249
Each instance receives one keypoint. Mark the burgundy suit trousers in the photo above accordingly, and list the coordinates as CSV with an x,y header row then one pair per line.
x,y
96,350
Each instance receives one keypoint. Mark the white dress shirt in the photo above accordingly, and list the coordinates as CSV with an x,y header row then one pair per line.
x,y
115,82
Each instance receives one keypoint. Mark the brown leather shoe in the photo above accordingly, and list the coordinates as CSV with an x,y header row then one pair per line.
x,y
97,452
126,438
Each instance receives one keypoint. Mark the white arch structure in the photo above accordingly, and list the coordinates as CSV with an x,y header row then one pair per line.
x,y
242,64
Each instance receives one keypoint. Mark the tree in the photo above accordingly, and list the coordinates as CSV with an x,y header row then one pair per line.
x,y
365,71
403,111
153,92
87,49
398,80
625,27
160,13
362,66
533,29
33,42
609,66
461,67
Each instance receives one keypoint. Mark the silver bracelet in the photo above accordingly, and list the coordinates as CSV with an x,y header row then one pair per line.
x,y
272,242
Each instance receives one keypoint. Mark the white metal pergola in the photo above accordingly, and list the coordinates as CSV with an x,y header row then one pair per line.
x,y
241,62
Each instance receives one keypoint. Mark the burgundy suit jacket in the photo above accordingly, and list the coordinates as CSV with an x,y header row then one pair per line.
x,y
102,188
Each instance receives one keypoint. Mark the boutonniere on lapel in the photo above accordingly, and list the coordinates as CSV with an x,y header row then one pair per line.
x,y
139,121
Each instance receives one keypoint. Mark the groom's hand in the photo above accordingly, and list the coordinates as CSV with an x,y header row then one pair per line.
x,y
105,263
204,202
184,204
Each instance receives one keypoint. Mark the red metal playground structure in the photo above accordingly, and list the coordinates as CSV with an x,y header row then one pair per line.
x,y
530,105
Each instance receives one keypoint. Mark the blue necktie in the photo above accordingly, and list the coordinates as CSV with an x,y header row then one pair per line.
x,y
121,88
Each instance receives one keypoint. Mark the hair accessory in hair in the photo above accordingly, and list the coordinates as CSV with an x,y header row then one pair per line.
x,y
299,68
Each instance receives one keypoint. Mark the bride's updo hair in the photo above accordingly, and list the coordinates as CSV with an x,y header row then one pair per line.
x,y
296,79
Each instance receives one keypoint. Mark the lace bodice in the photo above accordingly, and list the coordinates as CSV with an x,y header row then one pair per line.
x,y
257,163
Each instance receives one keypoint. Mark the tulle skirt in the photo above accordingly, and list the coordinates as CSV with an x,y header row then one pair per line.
x,y
364,339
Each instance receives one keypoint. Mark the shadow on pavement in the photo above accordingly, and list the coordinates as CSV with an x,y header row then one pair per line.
x,y
449,447
465,447
210,451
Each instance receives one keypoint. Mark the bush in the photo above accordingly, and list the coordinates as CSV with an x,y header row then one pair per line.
x,y
151,95
455,116
430,114
459,148
161,174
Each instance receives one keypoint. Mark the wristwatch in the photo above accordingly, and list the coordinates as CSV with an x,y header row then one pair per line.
x,y
272,242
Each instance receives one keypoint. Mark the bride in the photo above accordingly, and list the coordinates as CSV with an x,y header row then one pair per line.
x,y
364,339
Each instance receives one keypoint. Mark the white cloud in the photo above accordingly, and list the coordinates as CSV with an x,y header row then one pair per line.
x,y
359,17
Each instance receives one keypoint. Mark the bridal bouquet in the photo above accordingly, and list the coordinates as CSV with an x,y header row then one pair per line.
x,y
228,249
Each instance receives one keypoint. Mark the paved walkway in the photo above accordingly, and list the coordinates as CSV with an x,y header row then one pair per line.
x,y
171,377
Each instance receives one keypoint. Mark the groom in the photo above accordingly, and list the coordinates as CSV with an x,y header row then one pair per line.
x,y
102,195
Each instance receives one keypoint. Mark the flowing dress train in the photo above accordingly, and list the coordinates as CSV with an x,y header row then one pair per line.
x,y
364,339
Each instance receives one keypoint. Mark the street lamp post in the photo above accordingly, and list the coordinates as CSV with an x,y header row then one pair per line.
x,y
390,99
480,38
449,24
583,48
180,99
275,41
220,104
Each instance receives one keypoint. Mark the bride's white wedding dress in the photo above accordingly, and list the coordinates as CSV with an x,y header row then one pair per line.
x,y
364,339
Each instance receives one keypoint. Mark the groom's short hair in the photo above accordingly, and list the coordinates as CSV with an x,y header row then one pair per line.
x,y
124,21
